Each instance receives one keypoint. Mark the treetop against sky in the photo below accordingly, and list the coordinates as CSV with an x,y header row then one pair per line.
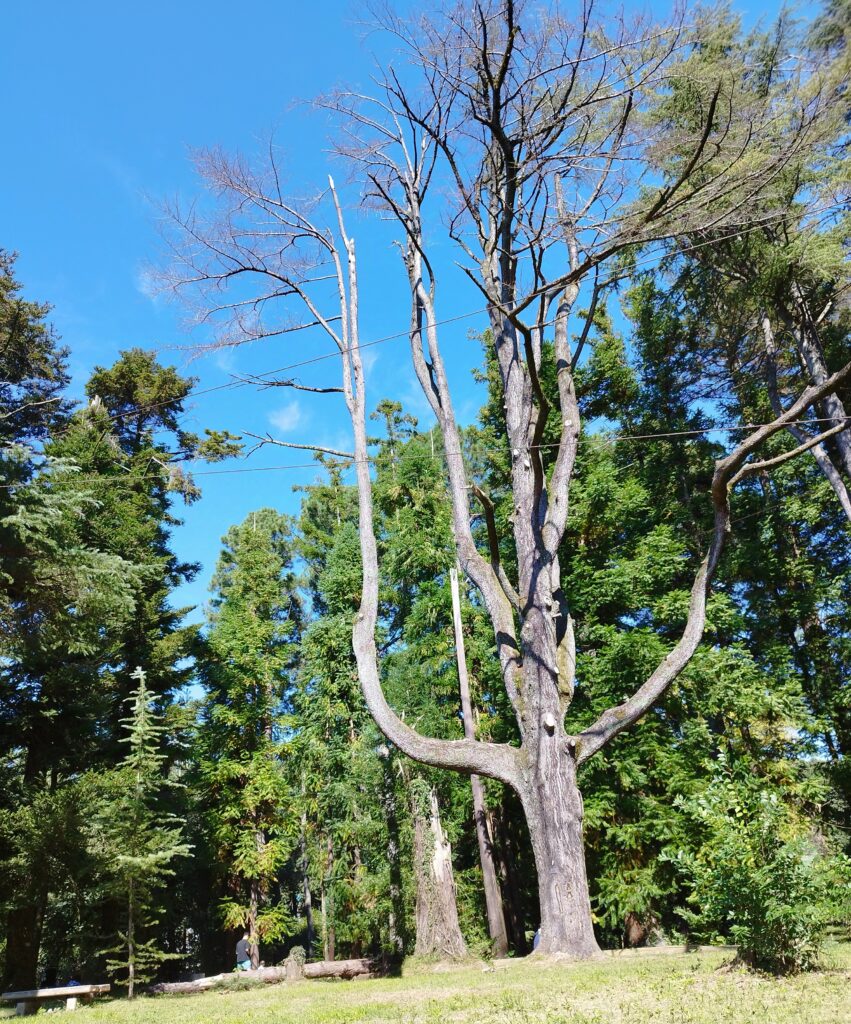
x,y
106,104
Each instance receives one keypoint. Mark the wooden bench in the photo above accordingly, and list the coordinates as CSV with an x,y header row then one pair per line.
x,y
27,1002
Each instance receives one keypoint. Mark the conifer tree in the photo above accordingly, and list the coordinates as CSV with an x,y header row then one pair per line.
x,y
255,625
138,840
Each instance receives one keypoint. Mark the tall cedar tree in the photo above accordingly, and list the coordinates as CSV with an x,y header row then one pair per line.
x,y
255,626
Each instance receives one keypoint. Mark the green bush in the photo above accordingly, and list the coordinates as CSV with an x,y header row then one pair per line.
x,y
298,955
761,875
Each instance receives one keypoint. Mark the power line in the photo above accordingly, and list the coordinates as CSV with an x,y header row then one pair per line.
x,y
336,353
431,456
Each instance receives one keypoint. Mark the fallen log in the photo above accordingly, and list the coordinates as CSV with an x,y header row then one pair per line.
x,y
199,985
340,968
289,971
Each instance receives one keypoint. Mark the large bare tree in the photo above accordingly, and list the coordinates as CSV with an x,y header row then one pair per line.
x,y
544,148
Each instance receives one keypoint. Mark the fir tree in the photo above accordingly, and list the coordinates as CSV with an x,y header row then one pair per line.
x,y
138,840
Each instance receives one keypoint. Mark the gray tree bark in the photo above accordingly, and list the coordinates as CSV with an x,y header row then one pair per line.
x,y
819,452
509,110
438,930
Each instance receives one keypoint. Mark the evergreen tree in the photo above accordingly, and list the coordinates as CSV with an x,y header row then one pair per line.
x,y
33,365
250,655
137,840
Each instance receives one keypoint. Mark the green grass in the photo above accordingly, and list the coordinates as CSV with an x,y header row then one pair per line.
x,y
672,989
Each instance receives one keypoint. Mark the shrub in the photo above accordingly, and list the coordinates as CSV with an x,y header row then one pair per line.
x,y
761,875
298,955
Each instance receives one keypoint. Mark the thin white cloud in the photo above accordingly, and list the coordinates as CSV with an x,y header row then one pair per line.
x,y
225,360
289,417
146,284
369,357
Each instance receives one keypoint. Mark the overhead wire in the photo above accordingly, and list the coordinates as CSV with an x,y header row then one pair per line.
x,y
337,352
259,378
432,456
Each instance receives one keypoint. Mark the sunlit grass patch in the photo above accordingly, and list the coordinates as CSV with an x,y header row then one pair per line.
x,y
676,989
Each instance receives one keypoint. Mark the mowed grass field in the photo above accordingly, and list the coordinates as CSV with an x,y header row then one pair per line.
x,y
679,988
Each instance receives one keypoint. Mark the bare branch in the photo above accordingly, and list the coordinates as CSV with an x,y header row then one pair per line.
x,y
263,383
268,439
778,460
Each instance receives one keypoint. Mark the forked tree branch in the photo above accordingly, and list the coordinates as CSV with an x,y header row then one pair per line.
x,y
727,472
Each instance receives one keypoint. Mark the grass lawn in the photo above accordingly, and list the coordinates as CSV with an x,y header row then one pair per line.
x,y
653,989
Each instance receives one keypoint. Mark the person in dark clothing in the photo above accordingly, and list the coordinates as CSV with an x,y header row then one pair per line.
x,y
243,953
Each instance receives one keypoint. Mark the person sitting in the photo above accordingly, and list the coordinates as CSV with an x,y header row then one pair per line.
x,y
243,953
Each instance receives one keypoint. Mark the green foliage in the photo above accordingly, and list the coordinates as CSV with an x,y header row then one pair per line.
x,y
33,366
300,813
762,872
137,841
255,624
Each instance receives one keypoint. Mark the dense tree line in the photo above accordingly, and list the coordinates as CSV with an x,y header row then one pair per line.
x,y
165,786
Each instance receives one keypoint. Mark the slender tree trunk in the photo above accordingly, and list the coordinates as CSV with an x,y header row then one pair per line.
x,y
396,917
493,895
508,873
251,923
131,941
308,896
830,406
438,930
330,932
819,452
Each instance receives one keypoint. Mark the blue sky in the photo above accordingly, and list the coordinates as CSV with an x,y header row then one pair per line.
x,y
103,102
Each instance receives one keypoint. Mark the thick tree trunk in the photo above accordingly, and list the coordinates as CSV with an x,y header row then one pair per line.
x,y
438,931
23,939
553,806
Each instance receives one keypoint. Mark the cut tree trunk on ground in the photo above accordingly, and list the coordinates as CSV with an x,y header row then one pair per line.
x,y
361,968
